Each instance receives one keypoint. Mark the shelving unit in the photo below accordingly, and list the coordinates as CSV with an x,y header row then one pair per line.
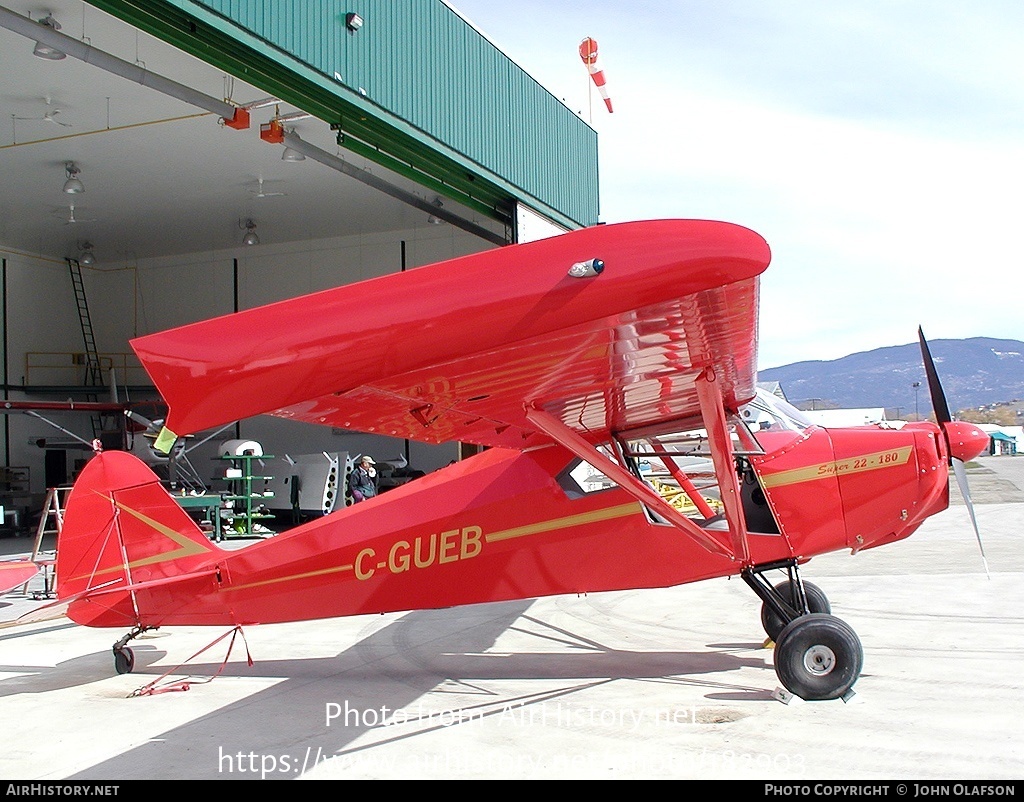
x,y
243,493
15,497
208,505
14,480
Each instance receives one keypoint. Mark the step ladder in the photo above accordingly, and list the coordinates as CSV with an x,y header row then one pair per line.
x,y
51,521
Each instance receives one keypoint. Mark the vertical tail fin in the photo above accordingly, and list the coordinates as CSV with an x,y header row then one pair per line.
x,y
121,529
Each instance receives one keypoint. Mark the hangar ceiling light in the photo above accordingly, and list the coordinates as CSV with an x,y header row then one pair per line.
x,y
73,185
46,51
251,237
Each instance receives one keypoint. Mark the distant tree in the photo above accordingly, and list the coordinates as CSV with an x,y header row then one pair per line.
x,y
1001,415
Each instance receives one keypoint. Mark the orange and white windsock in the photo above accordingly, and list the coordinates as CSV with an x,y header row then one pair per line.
x,y
588,52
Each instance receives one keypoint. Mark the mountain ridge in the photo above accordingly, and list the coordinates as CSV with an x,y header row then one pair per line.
x,y
974,372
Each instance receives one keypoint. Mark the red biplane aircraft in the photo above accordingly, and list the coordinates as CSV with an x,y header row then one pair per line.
x,y
16,572
579,362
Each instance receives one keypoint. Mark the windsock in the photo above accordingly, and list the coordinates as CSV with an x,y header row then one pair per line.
x,y
588,52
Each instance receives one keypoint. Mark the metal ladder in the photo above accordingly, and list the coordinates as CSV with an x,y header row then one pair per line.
x,y
93,375
53,508
93,371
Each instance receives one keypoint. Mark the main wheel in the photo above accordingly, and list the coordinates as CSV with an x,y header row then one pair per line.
x,y
818,656
817,601
124,660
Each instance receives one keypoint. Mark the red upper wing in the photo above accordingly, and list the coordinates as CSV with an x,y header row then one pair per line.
x,y
456,350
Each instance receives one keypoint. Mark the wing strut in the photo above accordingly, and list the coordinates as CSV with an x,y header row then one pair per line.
x,y
637,488
684,481
712,409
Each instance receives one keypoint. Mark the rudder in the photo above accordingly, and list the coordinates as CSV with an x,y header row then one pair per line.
x,y
121,528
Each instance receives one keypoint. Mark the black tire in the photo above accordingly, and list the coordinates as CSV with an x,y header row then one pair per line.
x,y
124,660
817,601
818,657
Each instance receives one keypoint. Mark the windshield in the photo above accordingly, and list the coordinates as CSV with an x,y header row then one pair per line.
x,y
772,421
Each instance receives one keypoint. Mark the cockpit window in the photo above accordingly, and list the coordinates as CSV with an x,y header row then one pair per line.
x,y
772,421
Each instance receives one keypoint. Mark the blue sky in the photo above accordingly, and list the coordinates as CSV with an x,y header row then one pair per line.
x,y
877,145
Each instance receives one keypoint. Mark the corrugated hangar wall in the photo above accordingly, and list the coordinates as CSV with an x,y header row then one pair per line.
x,y
414,87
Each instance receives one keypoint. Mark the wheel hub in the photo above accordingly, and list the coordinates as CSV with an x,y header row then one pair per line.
x,y
819,660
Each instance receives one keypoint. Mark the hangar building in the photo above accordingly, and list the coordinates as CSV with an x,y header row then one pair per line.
x,y
168,161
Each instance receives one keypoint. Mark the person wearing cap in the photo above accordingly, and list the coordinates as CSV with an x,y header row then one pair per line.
x,y
362,482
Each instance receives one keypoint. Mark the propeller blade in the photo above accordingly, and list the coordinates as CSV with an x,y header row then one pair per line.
x,y
934,387
968,438
965,491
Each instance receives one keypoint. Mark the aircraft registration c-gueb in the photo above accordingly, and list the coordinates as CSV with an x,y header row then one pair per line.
x,y
597,368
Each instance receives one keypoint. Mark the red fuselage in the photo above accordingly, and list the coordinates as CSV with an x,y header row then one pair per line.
x,y
501,525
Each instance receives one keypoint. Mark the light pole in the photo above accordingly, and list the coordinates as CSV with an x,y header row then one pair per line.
x,y
916,386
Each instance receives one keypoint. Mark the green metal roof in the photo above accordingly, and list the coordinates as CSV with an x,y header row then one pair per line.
x,y
415,89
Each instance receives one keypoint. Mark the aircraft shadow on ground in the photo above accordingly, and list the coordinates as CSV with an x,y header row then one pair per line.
x,y
411,665
79,671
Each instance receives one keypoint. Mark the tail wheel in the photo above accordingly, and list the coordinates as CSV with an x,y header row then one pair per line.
x,y
818,657
124,660
817,602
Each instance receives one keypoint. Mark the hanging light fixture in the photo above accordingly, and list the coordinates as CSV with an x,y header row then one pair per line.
x,y
276,129
73,186
45,51
251,237
291,154
88,257
433,219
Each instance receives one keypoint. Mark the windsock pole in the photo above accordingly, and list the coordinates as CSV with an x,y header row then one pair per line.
x,y
588,53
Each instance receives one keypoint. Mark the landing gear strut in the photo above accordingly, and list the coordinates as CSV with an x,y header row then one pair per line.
x,y
124,657
789,591
817,656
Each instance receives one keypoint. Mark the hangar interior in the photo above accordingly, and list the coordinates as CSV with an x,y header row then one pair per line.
x,y
166,162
